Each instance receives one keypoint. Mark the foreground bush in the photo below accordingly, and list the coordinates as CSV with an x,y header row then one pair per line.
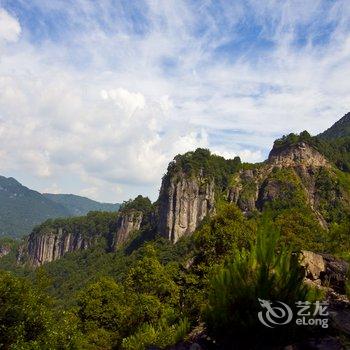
x,y
267,272
27,320
161,335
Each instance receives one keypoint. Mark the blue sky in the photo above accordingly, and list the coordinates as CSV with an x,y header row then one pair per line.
x,y
96,97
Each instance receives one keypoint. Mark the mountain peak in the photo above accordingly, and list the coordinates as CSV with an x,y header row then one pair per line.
x,y
300,153
341,128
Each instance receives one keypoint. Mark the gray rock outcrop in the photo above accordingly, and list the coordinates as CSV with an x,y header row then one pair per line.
x,y
251,189
325,270
44,247
296,155
47,247
127,223
184,202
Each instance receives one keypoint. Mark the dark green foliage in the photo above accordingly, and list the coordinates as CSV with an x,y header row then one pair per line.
x,y
142,309
339,129
162,335
225,232
139,203
300,229
263,272
336,150
338,239
334,143
288,140
149,276
202,162
329,196
290,191
27,320
94,224
76,270
214,243
104,312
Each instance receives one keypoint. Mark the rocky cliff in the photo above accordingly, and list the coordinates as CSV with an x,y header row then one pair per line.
x,y
293,175
184,201
47,247
128,222
300,154
53,241
297,172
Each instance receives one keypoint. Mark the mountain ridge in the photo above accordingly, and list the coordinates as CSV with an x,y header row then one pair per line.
x,y
341,128
79,205
297,173
23,208
296,180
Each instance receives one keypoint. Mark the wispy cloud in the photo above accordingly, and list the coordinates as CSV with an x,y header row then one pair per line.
x,y
10,28
97,97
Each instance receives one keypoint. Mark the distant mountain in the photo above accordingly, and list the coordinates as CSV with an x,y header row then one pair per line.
x,y
339,129
78,205
334,143
22,208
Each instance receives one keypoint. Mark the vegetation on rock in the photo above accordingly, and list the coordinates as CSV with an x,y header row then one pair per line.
x,y
206,165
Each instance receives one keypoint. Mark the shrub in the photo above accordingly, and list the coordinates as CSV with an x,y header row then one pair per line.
x,y
263,273
162,335
27,320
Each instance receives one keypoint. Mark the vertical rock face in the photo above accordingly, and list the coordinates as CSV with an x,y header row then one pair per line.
x,y
127,223
183,204
53,245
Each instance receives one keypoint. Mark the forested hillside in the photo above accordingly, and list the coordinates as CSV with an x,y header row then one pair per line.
x,y
189,269
22,208
78,205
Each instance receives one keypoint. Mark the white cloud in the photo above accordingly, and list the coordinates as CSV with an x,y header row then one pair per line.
x,y
101,112
246,155
54,188
10,29
127,101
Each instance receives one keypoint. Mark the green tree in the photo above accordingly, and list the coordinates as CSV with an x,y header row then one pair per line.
x,y
223,233
268,272
149,276
146,301
105,312
27,320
